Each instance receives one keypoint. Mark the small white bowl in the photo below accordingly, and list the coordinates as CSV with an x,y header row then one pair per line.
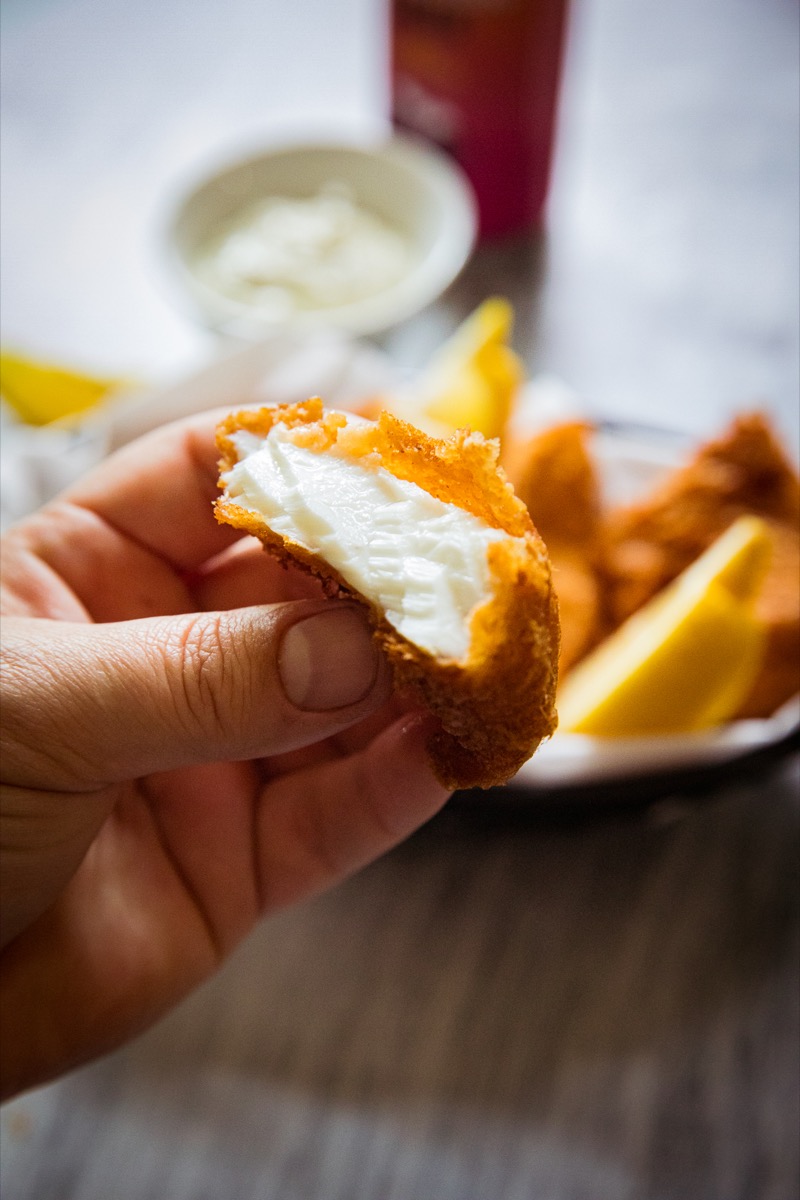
x,y
408,185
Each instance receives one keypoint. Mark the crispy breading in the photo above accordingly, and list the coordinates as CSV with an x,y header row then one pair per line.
x,y
496,705
553,473
649,543
778,606
579,603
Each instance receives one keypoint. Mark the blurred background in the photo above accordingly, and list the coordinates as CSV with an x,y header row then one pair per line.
x,y
666,286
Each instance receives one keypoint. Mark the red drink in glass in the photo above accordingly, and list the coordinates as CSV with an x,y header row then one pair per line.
x,y
480,78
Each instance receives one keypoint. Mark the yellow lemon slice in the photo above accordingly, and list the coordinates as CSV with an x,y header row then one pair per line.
x,y
42,392
685,661
471,381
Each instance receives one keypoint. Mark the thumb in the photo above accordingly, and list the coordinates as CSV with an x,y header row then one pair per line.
x,y
89,705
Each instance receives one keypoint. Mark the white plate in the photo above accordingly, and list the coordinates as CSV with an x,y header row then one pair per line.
x,y
573,766
567,770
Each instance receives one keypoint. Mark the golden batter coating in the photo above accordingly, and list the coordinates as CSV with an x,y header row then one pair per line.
x,y
553,473
497,704
648,544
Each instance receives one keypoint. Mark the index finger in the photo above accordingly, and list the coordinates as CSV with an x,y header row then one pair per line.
x,y
159,491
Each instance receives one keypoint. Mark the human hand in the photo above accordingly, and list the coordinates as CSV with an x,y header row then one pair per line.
x,y
192,737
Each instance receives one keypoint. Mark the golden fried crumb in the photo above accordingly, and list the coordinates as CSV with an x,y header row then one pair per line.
x,y
649,543
496,706
553,473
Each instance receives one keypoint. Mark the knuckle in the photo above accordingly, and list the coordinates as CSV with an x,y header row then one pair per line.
x,y
322,859
199,673
379,831
43,740
326,841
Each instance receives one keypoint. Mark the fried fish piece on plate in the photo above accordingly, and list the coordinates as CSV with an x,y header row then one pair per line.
x,y
429,536
553,473
745,470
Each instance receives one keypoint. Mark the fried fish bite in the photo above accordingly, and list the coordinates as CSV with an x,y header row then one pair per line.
x,y
430,537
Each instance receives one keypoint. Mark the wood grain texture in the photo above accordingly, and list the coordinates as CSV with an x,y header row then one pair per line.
x,y
597,1011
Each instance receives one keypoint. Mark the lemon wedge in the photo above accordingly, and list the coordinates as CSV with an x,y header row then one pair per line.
x,y
42,392
471,382
685,661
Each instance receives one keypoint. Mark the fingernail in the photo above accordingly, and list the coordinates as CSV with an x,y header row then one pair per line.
x,y
328,660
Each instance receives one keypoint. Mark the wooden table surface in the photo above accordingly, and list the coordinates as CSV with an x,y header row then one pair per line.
x,y
603,1007
599,1010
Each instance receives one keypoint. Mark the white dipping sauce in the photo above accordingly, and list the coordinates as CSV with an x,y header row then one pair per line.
x,y
284,255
